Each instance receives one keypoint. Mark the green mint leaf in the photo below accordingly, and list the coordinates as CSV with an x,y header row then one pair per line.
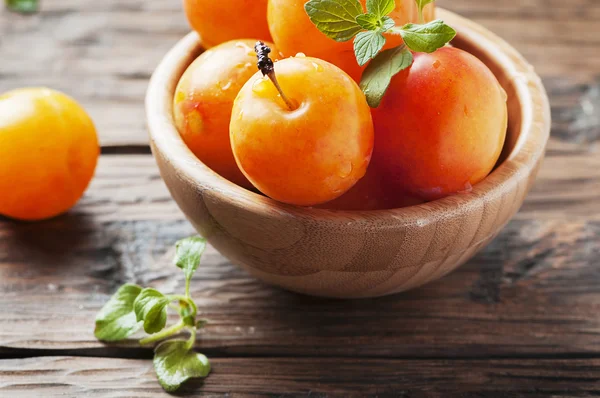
x,y
427,38
150,307
175,364
23,6
368,21
380,8
378,75
335,18
367,45
387,23
188,254
117,320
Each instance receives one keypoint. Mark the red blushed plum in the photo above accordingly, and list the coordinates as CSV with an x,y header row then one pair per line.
x,y
371,193
441,126
308,153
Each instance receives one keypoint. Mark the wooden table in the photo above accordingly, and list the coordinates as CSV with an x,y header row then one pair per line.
x,y
521,319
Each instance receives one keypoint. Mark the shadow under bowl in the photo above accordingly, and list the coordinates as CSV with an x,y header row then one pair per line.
x,y
355,254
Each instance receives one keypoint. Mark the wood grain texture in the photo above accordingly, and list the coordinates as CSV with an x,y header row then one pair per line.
x,y
551,34
110,49
532,292
101,53
86,377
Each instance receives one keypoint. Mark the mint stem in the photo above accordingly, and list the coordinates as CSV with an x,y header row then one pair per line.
x,y
192,340
164,334
187,287
186,299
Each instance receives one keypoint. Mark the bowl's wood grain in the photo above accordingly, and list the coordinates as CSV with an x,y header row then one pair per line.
x,y
356,254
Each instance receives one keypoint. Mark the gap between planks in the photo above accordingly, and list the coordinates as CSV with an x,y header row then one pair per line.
x,y
109,150
130,352
74,376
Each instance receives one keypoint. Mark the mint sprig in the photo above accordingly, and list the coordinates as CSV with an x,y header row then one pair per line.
x,y
342,20
132,307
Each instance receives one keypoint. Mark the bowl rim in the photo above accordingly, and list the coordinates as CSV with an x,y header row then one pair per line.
x,y
520,163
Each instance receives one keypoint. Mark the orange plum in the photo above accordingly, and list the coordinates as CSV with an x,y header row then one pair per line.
x,y
48,153
312,153
218,21
204,99
371,193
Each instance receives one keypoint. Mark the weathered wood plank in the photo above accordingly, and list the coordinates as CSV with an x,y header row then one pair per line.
x,y
568,186
101,377
526,295
530,10
533,291
101,53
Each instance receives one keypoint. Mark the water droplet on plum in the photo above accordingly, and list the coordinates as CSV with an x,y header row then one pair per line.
x,y
437,64
225,85
260,86
467,189
318,68
195,122
300,55
179,97
244,46
504,94
207,54
345,169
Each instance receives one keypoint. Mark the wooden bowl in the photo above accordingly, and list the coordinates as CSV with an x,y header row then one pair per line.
x,y
355,254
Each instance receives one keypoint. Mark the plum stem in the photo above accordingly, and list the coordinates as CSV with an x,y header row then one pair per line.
x,y
266,66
